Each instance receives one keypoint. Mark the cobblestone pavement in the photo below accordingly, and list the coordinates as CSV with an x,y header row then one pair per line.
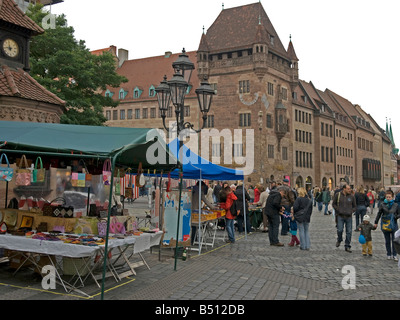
x,y
249,269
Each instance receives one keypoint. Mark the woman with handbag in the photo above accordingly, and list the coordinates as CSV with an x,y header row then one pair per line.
x,y
389,212
302,210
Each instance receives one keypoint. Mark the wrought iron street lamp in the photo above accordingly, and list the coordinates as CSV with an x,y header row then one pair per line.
x,y
175,91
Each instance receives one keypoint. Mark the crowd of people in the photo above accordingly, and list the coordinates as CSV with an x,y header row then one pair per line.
x,y
289,211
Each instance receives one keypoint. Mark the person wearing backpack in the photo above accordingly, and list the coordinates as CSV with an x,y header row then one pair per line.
x,y
344,204
273,210
389,212
230,212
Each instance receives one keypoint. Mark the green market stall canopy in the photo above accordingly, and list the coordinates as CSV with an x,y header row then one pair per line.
x,y
129,146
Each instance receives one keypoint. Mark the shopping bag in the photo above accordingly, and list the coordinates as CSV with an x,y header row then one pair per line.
x,y
107,172
388,223
78,179
6,173
38,174
102,228
23,174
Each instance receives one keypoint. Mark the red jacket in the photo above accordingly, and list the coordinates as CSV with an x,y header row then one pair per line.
x,y
227,205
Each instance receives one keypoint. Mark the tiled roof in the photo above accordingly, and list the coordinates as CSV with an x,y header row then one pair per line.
x,y
18,83
11,13
147,72
236,28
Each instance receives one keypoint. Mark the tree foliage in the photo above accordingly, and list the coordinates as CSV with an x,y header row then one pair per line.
x,y
67,68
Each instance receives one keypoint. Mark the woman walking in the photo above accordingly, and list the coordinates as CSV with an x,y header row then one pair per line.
x,y
389,212
302,209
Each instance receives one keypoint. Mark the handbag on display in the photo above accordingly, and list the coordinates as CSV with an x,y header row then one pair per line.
x,y
78,179
107,172
38,174
102,228
129,189
23,174
6,173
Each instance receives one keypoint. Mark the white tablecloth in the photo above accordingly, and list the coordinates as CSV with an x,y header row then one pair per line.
x,y
21,243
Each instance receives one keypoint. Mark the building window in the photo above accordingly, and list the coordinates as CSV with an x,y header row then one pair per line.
x,y
187,111
284,94
216,150
271,151
152,112
115,114
137,93
137,113
108,115
270,88
144,113
238,150
245,120
122,115
210,121
129,115
152,91
244,86
122,94
269,121
284,153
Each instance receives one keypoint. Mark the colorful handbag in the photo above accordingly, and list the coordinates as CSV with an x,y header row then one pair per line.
x,y
78,179
107,172
117,227
23,174
102,228
6,173
38,174
129,189
388,223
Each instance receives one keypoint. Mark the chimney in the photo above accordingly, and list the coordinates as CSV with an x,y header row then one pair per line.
x,y
167,54
122,56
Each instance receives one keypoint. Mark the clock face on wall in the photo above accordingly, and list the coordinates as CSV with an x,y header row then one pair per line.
x,y
10,48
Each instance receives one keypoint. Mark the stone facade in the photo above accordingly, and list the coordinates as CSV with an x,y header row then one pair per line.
x,y
310,136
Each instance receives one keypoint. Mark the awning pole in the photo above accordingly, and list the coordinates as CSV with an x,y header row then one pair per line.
x,y
113,160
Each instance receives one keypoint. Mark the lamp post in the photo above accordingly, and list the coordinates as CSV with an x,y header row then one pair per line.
x,y
175,91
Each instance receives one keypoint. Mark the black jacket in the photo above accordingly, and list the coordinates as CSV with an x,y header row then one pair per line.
x,y
362,199
239,201
273,205
302,209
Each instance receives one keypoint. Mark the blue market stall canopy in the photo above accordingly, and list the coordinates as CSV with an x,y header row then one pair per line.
x,y
130,145
196,167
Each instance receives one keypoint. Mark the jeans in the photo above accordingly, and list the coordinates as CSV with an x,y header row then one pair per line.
x,y
319,206
229,226
326,208
389,237
285,222
360,213
273,229
304,235
341,221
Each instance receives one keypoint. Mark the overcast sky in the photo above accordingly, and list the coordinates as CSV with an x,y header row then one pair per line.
x,y
348,46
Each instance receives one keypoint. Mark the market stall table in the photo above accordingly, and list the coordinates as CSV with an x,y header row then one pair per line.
x,y
206,235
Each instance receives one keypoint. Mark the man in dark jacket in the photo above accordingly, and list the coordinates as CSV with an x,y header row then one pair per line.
x,y
273,209
239,205
344,204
